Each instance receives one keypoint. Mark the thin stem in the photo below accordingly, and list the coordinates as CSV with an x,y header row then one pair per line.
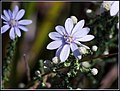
x,y
86,59
100,56
8,65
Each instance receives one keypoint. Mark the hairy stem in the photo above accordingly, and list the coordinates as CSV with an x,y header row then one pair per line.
x,y
8,63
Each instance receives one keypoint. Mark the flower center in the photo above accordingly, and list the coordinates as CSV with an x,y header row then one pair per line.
x,y
68,39
13,22
106,5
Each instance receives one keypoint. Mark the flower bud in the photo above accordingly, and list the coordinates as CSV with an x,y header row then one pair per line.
x,y
69,74
79,57
54,70
106,5
38,73
83,50
74,19
45,67
88,11
86,64
43,84
55,60
94,48
94,71
110,36
83,69
106,52
66,64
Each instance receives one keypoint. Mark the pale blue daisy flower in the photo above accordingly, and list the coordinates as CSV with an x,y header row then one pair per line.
x,y
12,21
68,38
113,6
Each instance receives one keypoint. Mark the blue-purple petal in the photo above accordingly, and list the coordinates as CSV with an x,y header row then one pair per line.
x,y
78,26
6,15
82,32
23,28
20,14
86,38
60,29
10,13
75,50
58,51
6,23
17,31
55,36
65,52
54,45
12,33
80,44
69,25
4,28
4,18
25,22
15,11
114,8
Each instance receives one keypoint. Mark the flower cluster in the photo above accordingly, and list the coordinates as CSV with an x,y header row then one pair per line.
x,y
68,38
12,21
113,6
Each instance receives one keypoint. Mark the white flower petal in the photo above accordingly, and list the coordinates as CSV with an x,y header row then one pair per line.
x,y
4,28
60,29
17,31
86,38
78,26
69,25
65,52
54,45
114,8
12,33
